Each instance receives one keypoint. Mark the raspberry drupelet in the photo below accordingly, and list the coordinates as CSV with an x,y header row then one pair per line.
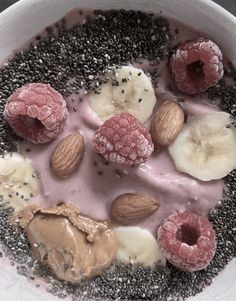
x,y
187,240
124,140
36,112
196,66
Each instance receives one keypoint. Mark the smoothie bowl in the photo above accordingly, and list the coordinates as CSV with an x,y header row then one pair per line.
x,y
118,139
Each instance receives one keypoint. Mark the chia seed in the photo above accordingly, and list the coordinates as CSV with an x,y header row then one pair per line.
x,y
64,56
226,94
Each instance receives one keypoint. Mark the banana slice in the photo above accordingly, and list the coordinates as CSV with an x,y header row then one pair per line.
x,y
136,245
18,180
206,147
128,90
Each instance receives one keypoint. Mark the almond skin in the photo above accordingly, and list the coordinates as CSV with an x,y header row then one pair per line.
x,y
132,208
167,123
66,157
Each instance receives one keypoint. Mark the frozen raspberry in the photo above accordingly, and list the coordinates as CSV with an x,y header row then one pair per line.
x,y
197,66
187,240
36,112
124,140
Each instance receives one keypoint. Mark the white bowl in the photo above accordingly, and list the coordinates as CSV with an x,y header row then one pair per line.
x,y
28,17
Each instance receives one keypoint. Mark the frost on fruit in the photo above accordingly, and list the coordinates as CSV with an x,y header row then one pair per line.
x,y
36,112
124,140
187,240
197,66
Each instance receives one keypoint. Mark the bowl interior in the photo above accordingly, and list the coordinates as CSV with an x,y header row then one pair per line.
x,y
28,17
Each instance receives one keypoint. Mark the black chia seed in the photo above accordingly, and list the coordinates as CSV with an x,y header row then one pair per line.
x,y
225,92
111,38
227,95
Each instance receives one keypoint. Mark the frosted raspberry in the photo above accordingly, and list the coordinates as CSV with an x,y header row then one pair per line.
x,y
124,140
187,240
197,66
36,112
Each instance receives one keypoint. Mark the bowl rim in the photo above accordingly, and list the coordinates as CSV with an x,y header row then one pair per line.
x,y
208,3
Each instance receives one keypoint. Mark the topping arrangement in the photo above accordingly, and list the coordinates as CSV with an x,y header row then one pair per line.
x,y
133,121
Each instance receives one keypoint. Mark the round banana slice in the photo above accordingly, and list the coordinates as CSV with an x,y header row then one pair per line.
x,y
138,246
206,147
128,90
18,181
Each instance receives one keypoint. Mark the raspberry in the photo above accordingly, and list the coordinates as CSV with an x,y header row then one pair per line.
x,y
187,240
36,112
197,66
124,140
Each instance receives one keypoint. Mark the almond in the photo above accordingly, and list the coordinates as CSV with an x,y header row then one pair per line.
x,y
167,123
66,157
132,208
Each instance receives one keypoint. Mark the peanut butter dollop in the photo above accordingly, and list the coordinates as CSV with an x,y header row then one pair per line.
x,y
74,246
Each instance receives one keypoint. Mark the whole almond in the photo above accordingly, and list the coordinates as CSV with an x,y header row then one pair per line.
x,y
132,208
167,123
66,157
